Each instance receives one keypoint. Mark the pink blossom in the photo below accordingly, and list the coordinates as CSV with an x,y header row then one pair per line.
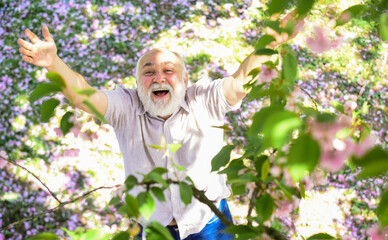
x,y
377,234
350,106
71,152
319,42
361,148
285,206
58,132
333,159
267,74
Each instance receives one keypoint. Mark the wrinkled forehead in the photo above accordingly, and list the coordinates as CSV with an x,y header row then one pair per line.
x,y
158,57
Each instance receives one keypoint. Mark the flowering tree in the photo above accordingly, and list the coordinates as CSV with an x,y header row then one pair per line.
x,y
288,147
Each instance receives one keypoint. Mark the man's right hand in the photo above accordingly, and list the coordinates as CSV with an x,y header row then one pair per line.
x,y
38,52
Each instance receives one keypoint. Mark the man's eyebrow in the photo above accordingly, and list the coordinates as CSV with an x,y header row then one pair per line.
x,y
147,64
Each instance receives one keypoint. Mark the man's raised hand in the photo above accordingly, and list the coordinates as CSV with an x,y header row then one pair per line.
x,y
38,52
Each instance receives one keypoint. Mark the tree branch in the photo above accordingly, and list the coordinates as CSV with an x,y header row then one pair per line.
x,y
57,207
252,203
34,175
312,99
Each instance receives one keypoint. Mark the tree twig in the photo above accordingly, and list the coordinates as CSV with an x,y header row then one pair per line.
x,y
34,175
252,203
57,207
312,99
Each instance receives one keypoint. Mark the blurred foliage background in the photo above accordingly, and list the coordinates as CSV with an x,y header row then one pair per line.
x,y
102,40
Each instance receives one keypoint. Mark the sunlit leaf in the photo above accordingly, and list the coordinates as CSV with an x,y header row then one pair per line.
x,y
10,196
278,128
337,105
222,158
223,127
57,79
364,108
264,41
186,192
147,205
47,109
290,27
352,12
303,157
155,147
86,92
382,210
156,231
96,113
66,123
274,25
174,147
156,176
265,170
44,236
42,90
321,236
259,119
132,205
290,68
243,178
264,207
383,27
95,234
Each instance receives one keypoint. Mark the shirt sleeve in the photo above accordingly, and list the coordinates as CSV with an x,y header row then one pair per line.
x,y
122,103
210,95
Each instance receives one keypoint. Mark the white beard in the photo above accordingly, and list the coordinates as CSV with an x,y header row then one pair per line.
x,y
163,107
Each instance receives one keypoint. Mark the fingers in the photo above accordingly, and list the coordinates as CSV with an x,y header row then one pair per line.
x,y
32,36
28,59
25,52
46,34
25,44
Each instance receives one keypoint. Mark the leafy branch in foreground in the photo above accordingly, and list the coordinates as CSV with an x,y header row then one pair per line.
x,y
61,203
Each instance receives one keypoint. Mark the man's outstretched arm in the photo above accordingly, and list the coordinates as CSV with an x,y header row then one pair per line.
x,y
44,54
233,86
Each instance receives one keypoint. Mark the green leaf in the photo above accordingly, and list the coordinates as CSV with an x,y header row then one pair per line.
x,y
259,119
284,189
274,25
147,204
130,182
174,147
95,234
238,189
290,68
326,117
114,201
86,92
303,157
243,231
158,193
94,110
223,127
121,236
47,109
374,163
352,12
264,207
234,166
277,6
42,90
265,51
66,124
222,158
265,170
155,147
264,41
304,7
156,176
44,236
364,108
243,178
156,231
132,206
278,128
321,236
382,210
10,196
338,106
383,27
186,193
290,26
57,79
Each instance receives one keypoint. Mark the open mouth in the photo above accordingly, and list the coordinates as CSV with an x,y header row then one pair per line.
x,y
160,92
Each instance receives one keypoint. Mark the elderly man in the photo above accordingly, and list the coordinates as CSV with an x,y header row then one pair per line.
x,y
163,105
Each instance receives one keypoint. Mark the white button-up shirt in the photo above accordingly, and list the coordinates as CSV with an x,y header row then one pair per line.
x,y
193,126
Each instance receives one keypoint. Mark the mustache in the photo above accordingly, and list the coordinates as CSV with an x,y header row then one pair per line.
x,y
160,85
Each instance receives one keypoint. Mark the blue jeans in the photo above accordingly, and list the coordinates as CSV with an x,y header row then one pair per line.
x,y
212,230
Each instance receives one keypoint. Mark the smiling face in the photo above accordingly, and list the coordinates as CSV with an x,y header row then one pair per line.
x,y
162,82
